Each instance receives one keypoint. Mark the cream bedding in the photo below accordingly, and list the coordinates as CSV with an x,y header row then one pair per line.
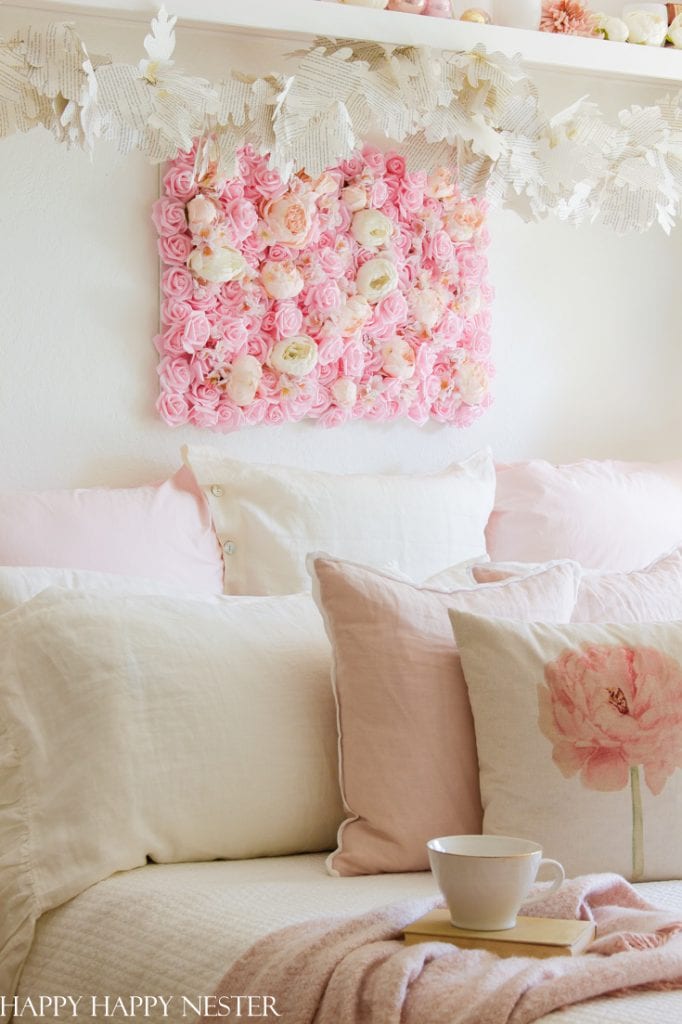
x,y
172,931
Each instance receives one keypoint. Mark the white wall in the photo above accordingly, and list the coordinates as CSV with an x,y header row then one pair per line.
x,y
585,332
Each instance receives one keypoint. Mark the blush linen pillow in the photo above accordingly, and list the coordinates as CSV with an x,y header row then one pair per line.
x,y
406,741
653,594
579,736
135,727
161,532
269,517
605,515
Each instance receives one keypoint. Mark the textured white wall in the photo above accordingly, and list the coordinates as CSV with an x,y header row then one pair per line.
x,y
586,331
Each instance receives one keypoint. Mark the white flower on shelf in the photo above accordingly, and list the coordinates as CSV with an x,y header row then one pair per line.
x,y
647,24
611,28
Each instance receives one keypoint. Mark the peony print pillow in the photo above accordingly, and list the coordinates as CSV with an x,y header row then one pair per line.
x,y
579,737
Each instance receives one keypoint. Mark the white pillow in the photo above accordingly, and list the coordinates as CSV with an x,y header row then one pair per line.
x,y
269,517
135,727
19,583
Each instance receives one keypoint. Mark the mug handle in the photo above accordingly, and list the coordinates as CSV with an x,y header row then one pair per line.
x,y
559,876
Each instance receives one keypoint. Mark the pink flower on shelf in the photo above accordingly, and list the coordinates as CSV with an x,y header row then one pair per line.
x,y
570,17
609,710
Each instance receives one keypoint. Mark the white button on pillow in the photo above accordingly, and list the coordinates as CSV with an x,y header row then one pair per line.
x,y
269,517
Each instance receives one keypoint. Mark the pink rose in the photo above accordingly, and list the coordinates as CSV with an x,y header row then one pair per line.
x,y
442,248
411,198
168,216
374,159
174,248
392,309
175,311
269,183
174,373
205,297
334,416
256,412
324,297
177,283
352,167
196,332
173,408
234,332
288,320
330,350
395,164
278,253
275,414
179,182
242,218
353,360
228,416
330,262
172,340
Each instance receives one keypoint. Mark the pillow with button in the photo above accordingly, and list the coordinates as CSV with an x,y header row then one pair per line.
x,y
268,518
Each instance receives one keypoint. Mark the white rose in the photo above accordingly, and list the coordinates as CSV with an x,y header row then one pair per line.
x,y
377,278
354,313
220,264
675,31
295,356
613,29
398,359
244,379
354,197
281,280
645,27
472,382
345,392
371,228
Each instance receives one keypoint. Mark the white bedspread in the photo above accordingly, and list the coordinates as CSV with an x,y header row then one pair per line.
x,y
173,930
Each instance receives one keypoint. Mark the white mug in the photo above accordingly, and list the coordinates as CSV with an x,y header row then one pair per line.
x,y
485,879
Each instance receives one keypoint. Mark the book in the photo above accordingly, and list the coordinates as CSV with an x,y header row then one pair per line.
x,y
531,936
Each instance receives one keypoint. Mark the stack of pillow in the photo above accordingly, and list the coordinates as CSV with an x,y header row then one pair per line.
x,y
169,689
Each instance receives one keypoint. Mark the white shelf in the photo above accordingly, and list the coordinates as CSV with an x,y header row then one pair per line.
x,y
298,20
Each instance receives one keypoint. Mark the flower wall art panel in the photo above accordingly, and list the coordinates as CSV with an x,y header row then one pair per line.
x,y
360,293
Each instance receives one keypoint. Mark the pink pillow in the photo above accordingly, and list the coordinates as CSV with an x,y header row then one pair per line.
x,y
605,515
407,748
653,594
160,531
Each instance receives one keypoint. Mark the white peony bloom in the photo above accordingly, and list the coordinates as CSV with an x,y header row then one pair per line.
x,y
295,356
472,382
645,27
354,313
281,279
219,264
377,278
611,28
345,392
675,31
371,228
427,307
354,197
399,359
244,379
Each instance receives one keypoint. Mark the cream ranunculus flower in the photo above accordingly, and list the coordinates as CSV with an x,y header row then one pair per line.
x,y
645,27
354,313
281,280
472,382
290,219
219,264
244,379
611,28
377,278
345,392
354,197
201,214
295,356
371,228
399,359
675,31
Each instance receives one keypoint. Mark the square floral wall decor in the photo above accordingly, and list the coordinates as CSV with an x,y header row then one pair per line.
x,y
362,293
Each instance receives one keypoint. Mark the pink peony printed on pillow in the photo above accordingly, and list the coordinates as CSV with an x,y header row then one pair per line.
x,y
362,293
610,713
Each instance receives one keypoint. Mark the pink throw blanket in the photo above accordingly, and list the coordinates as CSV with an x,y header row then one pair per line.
x,y
357,971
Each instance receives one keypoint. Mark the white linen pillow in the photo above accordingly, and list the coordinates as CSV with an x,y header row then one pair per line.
x,y
579,739
146,726
19,583
269,517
